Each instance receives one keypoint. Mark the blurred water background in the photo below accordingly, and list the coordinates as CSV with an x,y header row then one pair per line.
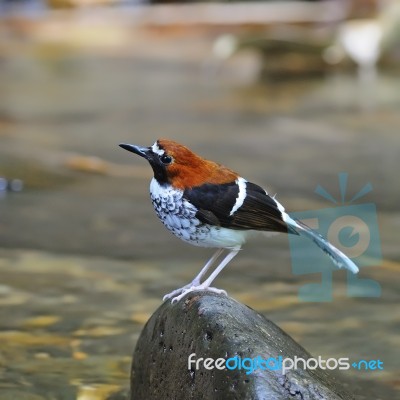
x,y
289,94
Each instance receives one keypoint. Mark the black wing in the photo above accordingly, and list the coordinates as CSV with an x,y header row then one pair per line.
x,y
258,211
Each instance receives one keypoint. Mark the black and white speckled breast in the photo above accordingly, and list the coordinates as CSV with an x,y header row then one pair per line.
x,y
177,214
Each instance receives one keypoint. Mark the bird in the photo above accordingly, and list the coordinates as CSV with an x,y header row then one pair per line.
x,y
209,205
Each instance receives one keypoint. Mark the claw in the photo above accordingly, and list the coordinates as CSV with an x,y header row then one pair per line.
x,y
179,291
173,293
185,290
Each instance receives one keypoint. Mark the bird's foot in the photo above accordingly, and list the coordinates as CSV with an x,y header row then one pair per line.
x,y
183,291
180,290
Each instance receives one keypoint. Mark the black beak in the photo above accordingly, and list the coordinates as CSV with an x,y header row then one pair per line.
x,y
141,151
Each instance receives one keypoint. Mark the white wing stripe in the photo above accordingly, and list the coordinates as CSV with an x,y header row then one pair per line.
x,y
241,195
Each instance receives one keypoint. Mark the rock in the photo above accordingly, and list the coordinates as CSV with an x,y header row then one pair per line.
x,y
215,326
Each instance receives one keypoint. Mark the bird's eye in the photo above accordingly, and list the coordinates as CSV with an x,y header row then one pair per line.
x,y
166,159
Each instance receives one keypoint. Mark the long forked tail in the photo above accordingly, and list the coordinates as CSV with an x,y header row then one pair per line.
x,y
339,258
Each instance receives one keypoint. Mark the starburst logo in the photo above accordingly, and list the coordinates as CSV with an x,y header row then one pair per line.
x,y
353,228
